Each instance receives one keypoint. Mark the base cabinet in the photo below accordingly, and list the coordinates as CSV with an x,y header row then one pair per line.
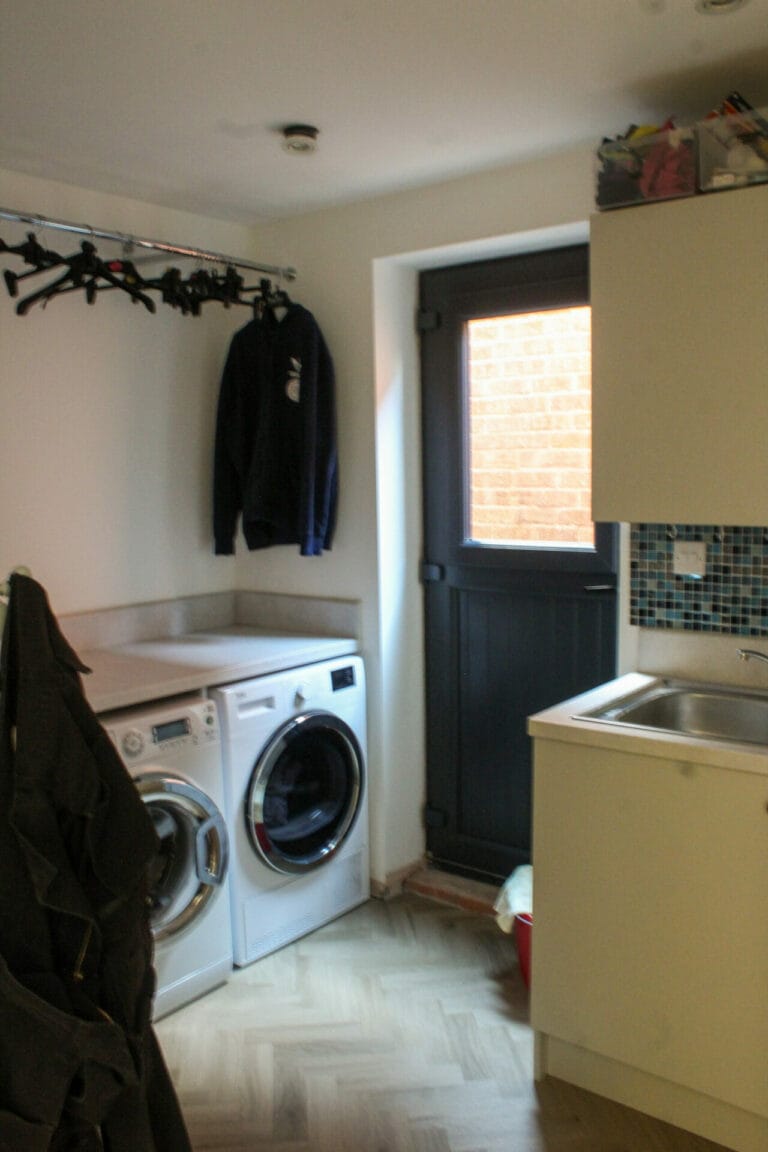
x,y
650,942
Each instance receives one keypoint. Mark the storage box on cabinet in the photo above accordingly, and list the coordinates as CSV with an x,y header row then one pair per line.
x,y
719,152
646,167
732,150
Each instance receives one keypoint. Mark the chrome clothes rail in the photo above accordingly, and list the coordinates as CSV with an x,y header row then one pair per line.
x,y
131,242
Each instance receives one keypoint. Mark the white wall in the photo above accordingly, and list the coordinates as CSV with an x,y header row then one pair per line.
x,y
107,417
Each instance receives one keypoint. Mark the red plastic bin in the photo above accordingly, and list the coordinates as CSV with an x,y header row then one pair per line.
x,y
523,928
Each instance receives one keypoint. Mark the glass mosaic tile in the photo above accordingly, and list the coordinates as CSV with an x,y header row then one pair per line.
x,y
731,597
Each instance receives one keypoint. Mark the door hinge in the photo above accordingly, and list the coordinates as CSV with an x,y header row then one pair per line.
x,y
431,573
427,320
434,817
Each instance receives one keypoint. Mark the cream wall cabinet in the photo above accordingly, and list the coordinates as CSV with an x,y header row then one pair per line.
x,y
650,942
679,295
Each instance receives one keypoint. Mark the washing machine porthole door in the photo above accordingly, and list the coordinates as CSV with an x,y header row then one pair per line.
x,y
305,792
194,851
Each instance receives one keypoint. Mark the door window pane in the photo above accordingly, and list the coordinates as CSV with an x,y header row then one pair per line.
x,y
529,430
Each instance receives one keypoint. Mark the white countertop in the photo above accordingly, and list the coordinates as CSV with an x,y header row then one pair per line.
x,y
563,722
152,669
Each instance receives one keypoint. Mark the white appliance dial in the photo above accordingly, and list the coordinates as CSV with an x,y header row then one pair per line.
x,y
133,742
302,694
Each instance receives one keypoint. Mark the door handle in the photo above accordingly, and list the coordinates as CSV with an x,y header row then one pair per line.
x,y
210,863
431,573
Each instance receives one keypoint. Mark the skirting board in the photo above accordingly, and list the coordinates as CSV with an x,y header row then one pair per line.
x,y
713,1119
394,882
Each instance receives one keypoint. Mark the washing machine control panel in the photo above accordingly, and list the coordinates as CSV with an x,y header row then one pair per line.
x,y
161,731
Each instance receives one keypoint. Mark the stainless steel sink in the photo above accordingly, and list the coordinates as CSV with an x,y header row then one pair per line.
x,y
701,710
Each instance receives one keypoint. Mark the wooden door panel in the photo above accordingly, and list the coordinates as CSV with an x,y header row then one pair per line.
x,y
517,650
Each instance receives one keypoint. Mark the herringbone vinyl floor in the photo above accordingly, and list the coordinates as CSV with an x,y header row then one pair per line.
x,y
400,1027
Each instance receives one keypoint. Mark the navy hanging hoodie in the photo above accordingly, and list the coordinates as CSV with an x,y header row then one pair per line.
x,y
275,461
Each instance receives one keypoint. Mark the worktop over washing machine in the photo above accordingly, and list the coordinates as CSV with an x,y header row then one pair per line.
x,y
130,674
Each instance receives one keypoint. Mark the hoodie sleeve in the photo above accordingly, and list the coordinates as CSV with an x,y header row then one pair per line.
x,y
319,476
236,422
325,478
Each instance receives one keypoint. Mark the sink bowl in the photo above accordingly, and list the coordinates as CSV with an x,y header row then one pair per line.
x,y
701,710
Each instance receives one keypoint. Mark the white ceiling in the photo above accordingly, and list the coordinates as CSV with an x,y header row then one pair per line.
x,y
180,102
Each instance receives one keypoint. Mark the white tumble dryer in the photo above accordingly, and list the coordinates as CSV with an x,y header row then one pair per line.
x,y
294,748
173,752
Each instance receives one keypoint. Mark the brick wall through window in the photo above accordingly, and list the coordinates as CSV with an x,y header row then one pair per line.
x,y
529,433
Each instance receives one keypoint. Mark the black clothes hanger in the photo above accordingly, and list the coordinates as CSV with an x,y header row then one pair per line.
x,y
173,290
267,298
203,286
31,252
85,270
278,299
200,287
231,287
85,263
80,266
259,300
121,274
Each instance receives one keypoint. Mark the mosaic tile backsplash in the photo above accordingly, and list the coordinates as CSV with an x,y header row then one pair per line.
x,y
731,597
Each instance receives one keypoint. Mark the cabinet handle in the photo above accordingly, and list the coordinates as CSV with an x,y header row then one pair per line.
x,y
599,588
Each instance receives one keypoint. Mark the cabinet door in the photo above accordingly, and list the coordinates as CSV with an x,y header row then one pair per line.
x,y
650,942
680,360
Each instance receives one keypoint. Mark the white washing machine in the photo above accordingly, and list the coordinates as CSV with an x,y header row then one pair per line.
x,y
173,752
296,801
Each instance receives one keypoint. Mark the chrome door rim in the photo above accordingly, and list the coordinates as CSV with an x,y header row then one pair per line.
x,y
259,781
161,788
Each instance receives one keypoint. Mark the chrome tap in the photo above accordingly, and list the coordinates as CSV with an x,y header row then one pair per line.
x,y
751,654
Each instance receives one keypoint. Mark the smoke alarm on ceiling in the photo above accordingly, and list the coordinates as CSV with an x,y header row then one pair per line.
x,y
708,7
301,138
